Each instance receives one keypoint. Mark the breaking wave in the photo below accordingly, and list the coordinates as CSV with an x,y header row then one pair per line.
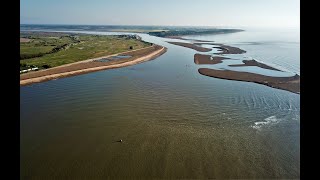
x,y
268,121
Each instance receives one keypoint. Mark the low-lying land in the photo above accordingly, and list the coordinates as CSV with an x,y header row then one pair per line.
x,y
137,56
37,44
208,59
55,49
291,84
51,55
191,46
254,63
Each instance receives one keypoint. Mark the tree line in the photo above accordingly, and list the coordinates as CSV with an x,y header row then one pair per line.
x,y
54,50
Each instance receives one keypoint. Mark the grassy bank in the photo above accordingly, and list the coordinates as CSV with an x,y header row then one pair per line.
x,y
55,49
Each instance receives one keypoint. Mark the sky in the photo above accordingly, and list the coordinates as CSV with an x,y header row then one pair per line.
x,y
219,13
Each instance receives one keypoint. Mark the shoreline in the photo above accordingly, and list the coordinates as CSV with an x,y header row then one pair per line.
x,y
90,65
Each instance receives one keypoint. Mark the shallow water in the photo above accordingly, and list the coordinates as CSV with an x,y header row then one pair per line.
x,y
174,123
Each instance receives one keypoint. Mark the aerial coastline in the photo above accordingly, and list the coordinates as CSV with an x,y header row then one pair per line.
x,y
159,90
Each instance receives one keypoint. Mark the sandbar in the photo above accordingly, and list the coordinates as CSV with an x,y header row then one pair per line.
x,y
225,49
254,63
191,46
208,59
291,84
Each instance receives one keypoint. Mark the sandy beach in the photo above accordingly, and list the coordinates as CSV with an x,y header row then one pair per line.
x,y
91,65
291,84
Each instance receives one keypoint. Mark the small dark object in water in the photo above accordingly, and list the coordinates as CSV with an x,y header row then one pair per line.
x,y
120,140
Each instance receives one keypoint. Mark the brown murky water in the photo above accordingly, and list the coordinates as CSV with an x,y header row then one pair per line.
x,y
174,123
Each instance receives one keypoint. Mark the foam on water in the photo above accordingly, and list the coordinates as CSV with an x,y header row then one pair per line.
x,y
268,121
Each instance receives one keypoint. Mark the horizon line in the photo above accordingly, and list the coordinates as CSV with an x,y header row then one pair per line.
x,y
209,26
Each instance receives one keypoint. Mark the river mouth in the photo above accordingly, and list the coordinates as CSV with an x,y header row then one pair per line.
x,y
173,123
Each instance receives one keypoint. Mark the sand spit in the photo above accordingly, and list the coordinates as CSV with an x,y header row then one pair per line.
x,y
82,67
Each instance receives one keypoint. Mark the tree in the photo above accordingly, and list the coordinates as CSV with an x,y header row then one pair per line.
x,y
46,66
23,65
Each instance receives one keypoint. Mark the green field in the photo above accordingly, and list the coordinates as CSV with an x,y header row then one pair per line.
x,y
56,50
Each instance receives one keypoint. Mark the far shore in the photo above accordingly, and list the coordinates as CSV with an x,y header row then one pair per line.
x,y
182,38
91,65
